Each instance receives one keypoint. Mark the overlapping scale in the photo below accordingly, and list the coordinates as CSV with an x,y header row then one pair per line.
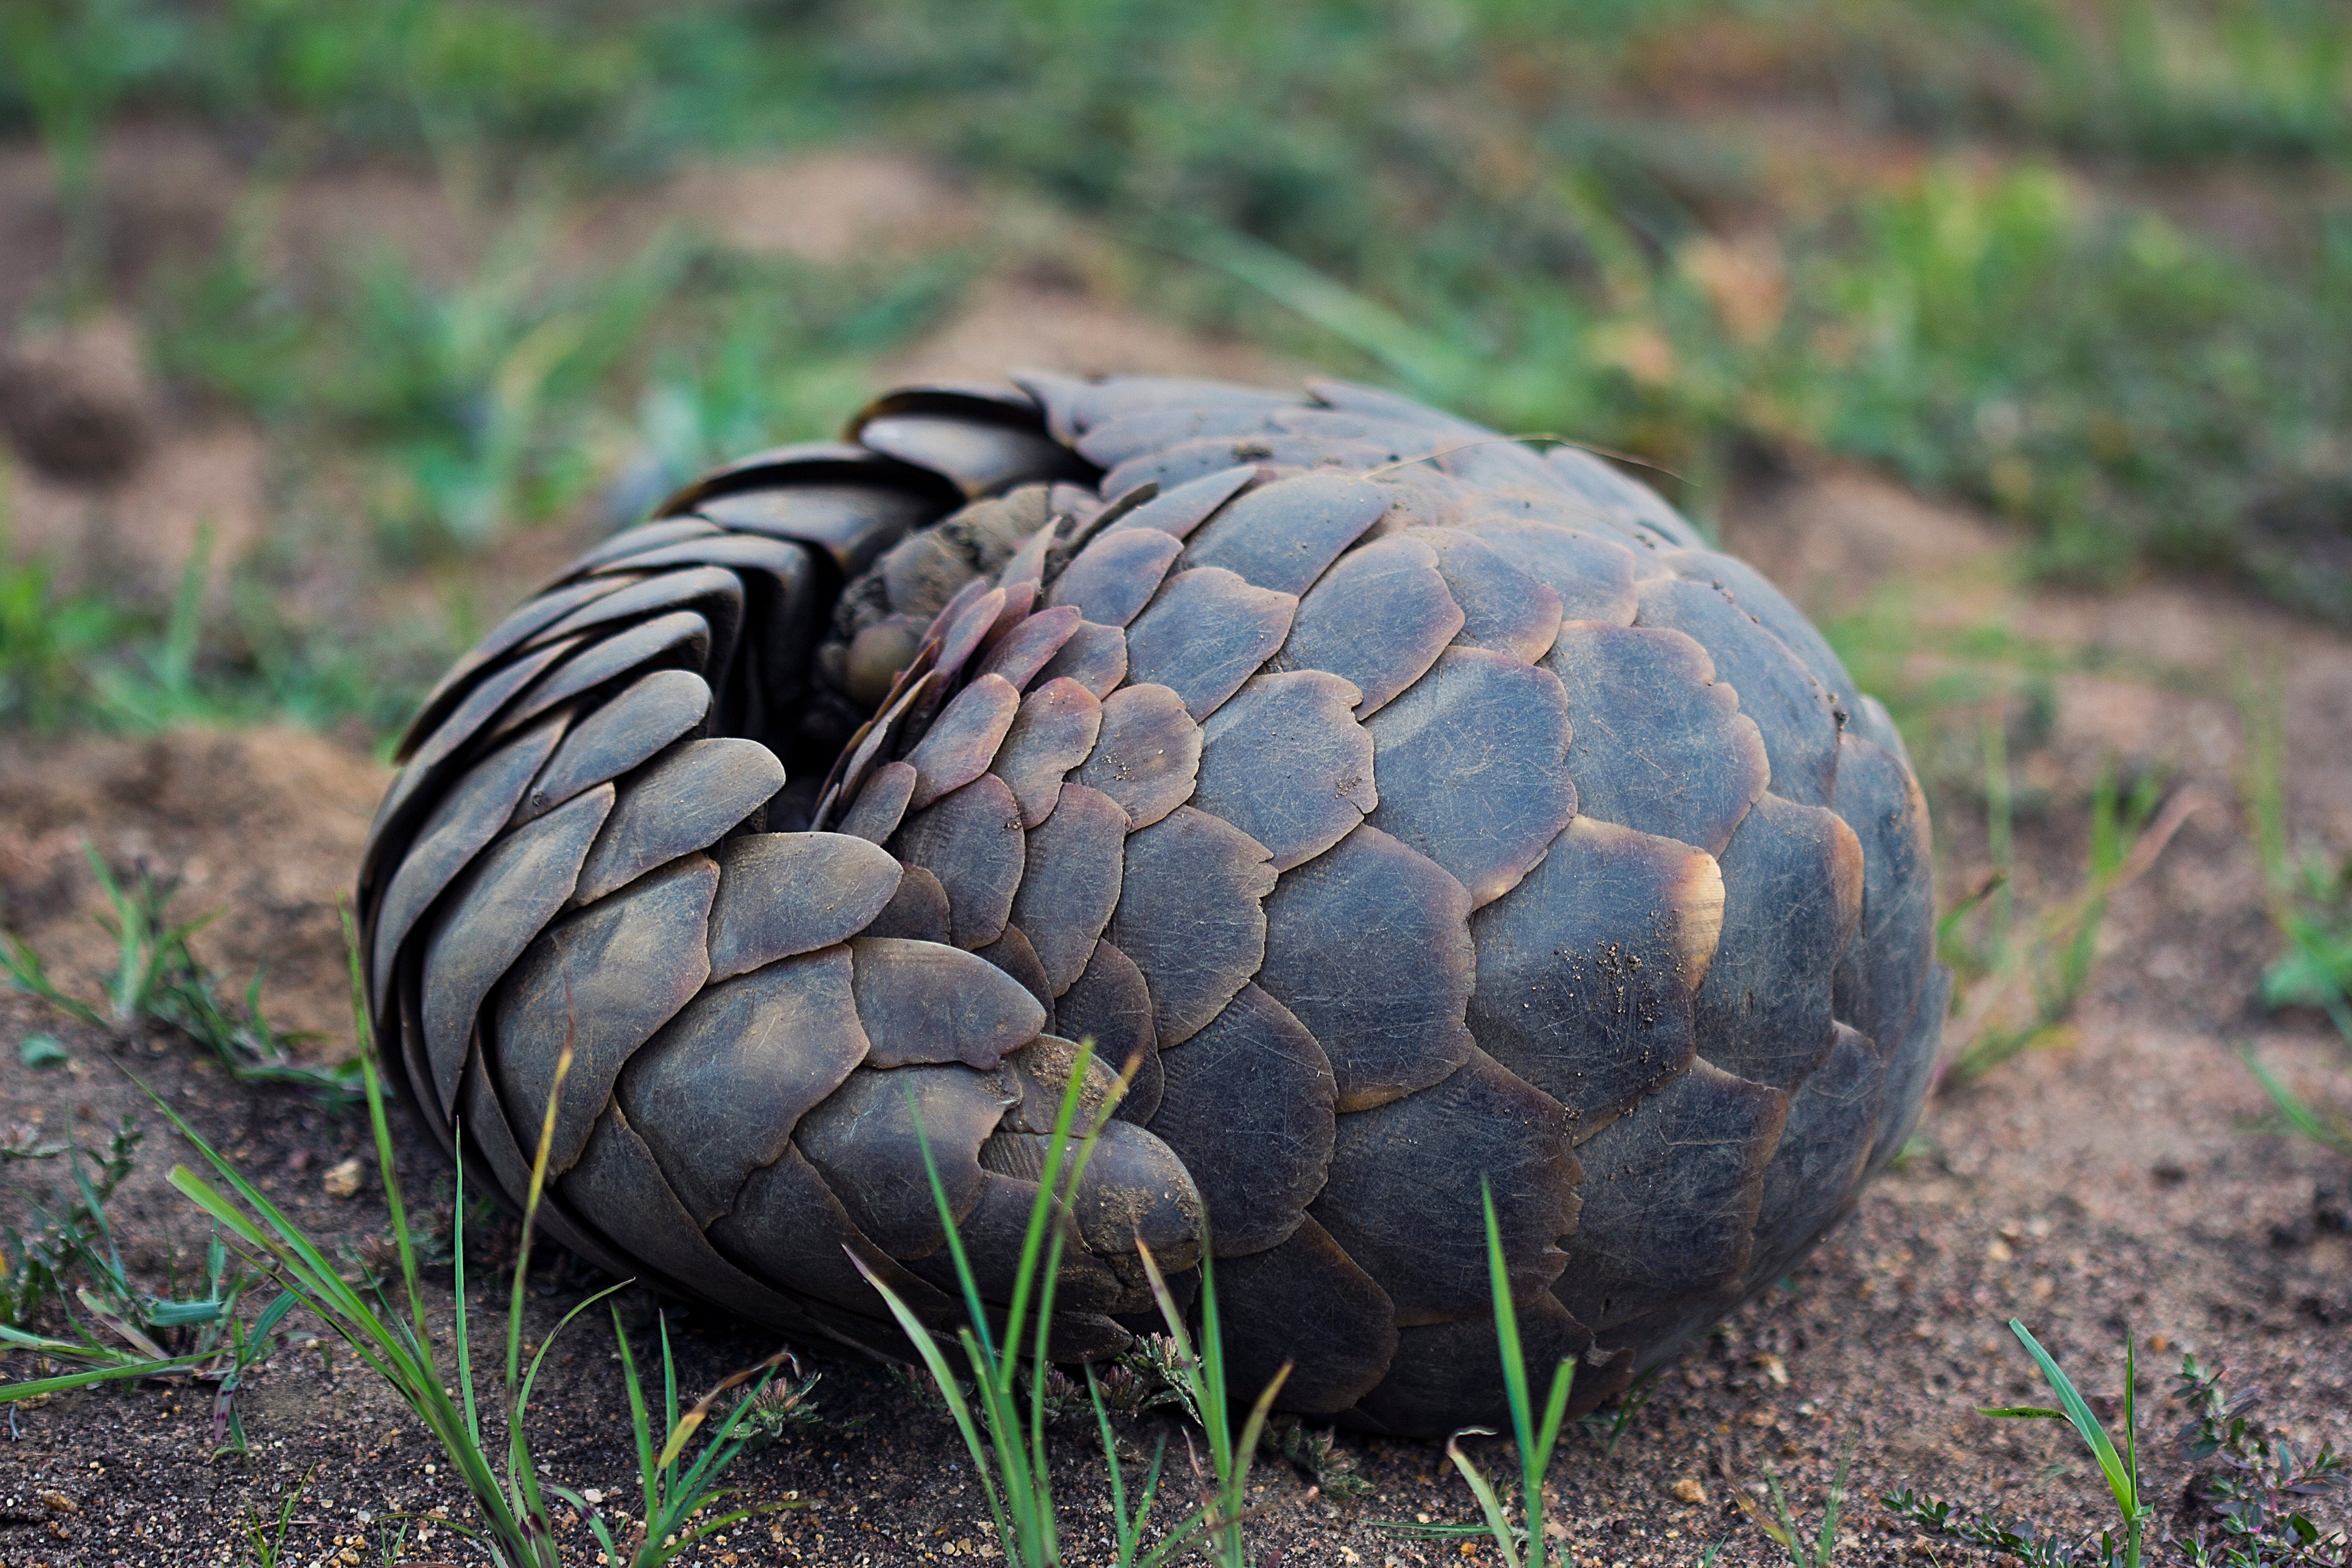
x,y
1072,868
1402,1174
1879,981
1110,581
1446,1373
1472,759
1671,1195
1377,620
781,1038
1207,631
1587,970
1285,761
1188,915
1303,1302
1055,731
1791,896
1834,1118
971,841
1659,744
1370,946
494,913
1247,1105
1591,576
684,800
462,824
1283,535
784,894
665,706
1794,714
1502,607
594,987
1146,753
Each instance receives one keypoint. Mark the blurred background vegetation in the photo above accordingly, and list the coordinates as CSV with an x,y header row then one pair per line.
x,y
2085,265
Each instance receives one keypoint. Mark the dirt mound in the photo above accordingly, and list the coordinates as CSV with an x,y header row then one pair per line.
x,y
1044,321
263,826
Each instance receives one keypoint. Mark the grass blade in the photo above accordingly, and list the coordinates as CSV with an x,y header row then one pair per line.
x,y
1498,1524
2078,1414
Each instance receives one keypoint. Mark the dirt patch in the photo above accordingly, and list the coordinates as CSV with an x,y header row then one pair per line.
x,y
332,222
832,207
76,401
1830,538
264,825
168,192
135,538
1053,324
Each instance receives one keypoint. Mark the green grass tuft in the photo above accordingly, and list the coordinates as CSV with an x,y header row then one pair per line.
x,y
1522,1543
1008,1445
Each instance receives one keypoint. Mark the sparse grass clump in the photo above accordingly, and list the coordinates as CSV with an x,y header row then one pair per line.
x,y
2311,907
83,659
64,1270
158,981
1522,1543
2249,1505
1008,1444
255,1242
682,1501
2020,981
46,637
1804,1549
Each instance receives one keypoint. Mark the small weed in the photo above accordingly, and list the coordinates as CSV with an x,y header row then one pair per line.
x,y
2026,985
2034,1550
1781,1524
391,1542
784,1405
1008,1447
1201,1373
2311,906
2259,1488
1316,1454
265,1538
1523,1541
2253,1498
1145,1378
1608,1427
158,981
2310,889
1157,1372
